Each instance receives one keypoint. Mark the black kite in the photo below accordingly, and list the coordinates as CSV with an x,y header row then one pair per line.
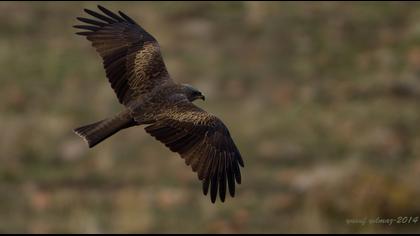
x,y
137,73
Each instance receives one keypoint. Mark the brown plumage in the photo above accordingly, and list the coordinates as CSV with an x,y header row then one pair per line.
x,y
137,73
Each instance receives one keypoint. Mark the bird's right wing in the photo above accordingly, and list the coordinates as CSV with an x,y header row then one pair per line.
x,y
131,56
204,142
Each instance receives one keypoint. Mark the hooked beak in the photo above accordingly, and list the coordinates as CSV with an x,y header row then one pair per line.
x,y
202,97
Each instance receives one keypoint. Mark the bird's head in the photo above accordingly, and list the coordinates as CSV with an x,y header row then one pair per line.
x,y
192,93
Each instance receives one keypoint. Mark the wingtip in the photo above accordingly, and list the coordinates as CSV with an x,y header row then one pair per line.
x,y
127,18
83,33
213,200
100,7
213,197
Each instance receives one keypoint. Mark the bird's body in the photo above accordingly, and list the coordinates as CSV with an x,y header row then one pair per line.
x,y
137,73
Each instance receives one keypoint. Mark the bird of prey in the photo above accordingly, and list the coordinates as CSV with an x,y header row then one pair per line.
x,y
136,71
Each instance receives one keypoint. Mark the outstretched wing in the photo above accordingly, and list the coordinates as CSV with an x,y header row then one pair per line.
x,y
205,144
131,56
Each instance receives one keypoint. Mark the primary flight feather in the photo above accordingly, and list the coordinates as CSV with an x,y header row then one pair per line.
x,y
137,73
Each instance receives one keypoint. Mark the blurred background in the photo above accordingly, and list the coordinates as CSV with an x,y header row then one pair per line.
x,y
321,98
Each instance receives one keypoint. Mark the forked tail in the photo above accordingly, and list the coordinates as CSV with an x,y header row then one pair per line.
x,y
97,132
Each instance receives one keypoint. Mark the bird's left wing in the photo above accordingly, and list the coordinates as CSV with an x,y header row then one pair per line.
x,y
131,56
204,142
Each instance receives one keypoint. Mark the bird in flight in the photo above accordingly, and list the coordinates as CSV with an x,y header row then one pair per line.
x,y
137,73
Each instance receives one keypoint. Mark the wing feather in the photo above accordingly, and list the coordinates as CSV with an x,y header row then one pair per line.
x,y
230,176
214,180
90,21
99,16
110,14
222,177
131,56
205,144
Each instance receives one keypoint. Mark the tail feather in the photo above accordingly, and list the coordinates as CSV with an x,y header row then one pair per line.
x,y
97,132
